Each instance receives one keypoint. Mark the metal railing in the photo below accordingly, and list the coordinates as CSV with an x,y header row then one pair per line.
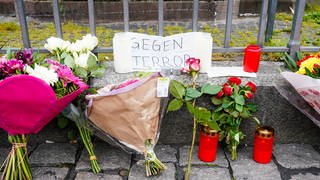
x,y
265,26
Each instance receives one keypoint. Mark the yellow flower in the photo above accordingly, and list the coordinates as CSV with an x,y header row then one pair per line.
x,y
309,63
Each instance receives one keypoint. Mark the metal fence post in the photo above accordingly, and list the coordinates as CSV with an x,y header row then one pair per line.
x,y
126,15
92,20
160,17
294,43
56,15
227,33
195,14
263,22
23,23
272,9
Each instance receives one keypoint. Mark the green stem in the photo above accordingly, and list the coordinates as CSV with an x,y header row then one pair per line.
x,y
193,132
234,152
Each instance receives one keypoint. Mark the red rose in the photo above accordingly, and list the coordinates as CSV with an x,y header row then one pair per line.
x,y
252,86
227,89
234,80
219,95
248,94
191,60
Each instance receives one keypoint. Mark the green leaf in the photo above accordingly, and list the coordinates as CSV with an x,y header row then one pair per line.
x,y
237,137
92,61
193,93
299,56
239,108
291,61
239,100
235,114
69,61
213,125
190,107
202,113
226,104
174,105
187,98
245,114
97,72
216,101
81,72
252,107
62,122
177,89
63,55
9,54
210,89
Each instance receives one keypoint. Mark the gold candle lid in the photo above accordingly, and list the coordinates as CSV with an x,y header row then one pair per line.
x,y
265,131
208,131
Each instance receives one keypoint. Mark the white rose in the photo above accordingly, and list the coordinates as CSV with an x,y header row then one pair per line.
x,y
41,72
89,42
81,60
76,46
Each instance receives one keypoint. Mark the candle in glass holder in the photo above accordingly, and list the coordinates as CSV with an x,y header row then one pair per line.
x,y
263,142
251,58
208,144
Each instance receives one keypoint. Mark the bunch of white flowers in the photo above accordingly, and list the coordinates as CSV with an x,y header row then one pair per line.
x,y
80,50
44,73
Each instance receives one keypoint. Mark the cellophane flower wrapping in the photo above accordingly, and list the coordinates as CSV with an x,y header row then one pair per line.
x,y
31,95
129,116
309,89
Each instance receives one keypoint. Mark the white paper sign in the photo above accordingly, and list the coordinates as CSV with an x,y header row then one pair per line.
x,y
141,52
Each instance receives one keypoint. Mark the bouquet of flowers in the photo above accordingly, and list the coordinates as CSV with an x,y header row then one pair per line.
x,y
305,79
78,56
129,115
32,92
231,109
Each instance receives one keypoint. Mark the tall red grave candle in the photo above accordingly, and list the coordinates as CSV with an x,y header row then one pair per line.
x,y
208,144
263,142
251,58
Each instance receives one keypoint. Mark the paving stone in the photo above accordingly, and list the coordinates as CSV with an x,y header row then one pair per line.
x,y
3,155
184,155
54,154
138,172
212,173
307,176
108,157
166,153
296,156
100,176
245,168
49,173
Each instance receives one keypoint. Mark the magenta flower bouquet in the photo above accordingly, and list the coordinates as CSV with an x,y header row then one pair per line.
x,y
32,92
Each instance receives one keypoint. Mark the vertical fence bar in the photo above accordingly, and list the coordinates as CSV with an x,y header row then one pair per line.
x,y
195,14
92,19
227,33
294,42
57,21
23,23
160,17
126,15
272,9
263,22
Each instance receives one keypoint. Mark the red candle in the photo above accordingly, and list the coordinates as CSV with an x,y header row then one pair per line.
x,y
251,58
208,144
263,142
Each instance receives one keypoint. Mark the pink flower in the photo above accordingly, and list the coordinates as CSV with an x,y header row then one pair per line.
x,y
234,80
227,89
192,65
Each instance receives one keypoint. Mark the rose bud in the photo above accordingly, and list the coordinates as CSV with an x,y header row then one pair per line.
x,y
219,95
248,94
234,80
252,86
194,66
227,89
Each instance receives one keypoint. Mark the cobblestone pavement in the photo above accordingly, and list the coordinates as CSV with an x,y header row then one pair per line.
x,y
70,161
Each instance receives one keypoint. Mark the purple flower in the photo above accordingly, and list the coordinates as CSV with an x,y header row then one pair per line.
x,y
25,55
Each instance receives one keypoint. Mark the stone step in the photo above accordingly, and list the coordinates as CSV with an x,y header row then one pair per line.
x,y
60,161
